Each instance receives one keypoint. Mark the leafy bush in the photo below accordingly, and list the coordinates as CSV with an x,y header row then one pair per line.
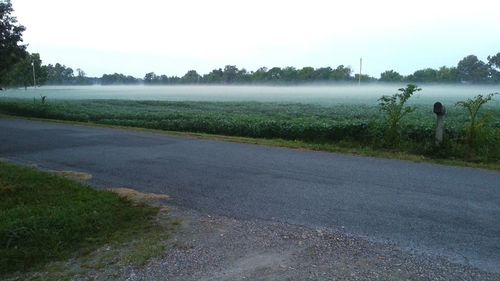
x,y
479,132
394,110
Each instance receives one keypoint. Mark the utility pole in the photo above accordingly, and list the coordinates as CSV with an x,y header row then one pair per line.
x,y
34,77
360,68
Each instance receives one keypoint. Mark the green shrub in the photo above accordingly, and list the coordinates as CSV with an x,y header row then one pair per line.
x,y
480,134
394,109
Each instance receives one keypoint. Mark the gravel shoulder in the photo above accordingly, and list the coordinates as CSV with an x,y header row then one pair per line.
x,y
208,247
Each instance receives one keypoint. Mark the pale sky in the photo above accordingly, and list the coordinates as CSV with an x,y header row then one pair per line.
x,y
172,37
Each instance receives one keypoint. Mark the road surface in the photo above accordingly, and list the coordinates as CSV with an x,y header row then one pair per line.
x,y
432,209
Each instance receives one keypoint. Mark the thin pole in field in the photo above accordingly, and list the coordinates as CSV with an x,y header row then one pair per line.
x,y
34,77
360,68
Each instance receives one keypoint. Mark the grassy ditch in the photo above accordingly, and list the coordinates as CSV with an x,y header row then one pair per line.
x,y
45,217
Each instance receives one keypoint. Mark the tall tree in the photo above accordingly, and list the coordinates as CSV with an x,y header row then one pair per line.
x,y
390,76
471,69
191,77
229,74
274,74
151,78
447,74
423,75
215,76
322,73
341,73
289,74
59,74
21,74
40,70
494,64
260,75
306,74
11,34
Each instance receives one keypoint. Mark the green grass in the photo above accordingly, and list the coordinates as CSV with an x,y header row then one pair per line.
x,y
344,125
45,217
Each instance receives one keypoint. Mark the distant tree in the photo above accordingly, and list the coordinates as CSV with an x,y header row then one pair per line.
x,y
164,79
274,74
117,78
230,74
80,73
215,76
174,80
11,51
341,73
322,73
81,78
447,74
423,75
191,77
390,76
260,75
243,76
471,69
289,74
40,69
364,78
151,78
306,74
59,74
494,65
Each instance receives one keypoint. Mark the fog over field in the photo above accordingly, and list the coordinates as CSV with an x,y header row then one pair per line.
x,y
322,94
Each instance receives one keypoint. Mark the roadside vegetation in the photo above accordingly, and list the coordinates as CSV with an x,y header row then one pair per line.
x,y
391,126
45,218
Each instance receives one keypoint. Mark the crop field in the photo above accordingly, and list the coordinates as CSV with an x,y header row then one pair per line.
x,y
330,119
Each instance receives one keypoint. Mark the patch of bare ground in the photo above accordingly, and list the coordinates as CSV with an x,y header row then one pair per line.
x,y
219,248
73,175
138,196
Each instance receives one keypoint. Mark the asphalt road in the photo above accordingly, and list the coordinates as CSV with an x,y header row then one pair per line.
x,y
431,209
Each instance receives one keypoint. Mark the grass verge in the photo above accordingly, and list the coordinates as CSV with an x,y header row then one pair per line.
x,y
45,218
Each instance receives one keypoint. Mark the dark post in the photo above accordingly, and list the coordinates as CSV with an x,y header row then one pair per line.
x,y
440,111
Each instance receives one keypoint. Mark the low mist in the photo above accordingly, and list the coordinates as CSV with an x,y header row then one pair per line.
x,y
323,94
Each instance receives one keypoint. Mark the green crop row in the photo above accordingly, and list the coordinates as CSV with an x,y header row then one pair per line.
x,y
307,122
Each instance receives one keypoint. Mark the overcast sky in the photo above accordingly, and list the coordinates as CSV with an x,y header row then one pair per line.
x,y
172,37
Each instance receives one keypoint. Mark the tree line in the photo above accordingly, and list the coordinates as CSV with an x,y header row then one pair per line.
x,y
19,68
468,70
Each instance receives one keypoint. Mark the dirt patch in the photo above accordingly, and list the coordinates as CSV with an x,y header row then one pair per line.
x,y
208,247
78,176
138,196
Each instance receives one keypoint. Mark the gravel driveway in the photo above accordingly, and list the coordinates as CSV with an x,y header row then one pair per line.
x,y
216,248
